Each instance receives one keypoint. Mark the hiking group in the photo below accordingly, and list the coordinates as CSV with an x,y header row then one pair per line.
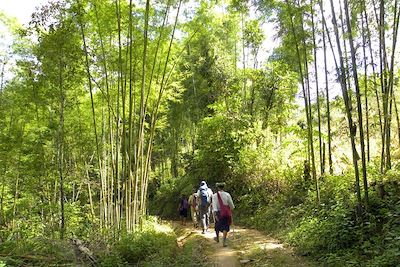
x,y
207,207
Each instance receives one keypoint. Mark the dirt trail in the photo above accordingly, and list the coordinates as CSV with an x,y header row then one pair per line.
x,y
246,247
221,256
257,249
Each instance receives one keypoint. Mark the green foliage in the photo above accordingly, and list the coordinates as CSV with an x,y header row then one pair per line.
x,y
37,251
217,155
146,245
155,245
331,231
253,34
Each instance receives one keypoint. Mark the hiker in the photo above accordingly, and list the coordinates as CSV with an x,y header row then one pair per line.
x,y
183,209
222,209
194,208
204,201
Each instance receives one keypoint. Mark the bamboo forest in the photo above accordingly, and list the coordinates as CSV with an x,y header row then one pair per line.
x,y
115,113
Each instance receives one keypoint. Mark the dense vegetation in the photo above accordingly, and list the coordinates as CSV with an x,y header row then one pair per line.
x,y
109,110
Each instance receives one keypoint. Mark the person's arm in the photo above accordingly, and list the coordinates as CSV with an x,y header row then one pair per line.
x,y
210,194
230,201
215,202
215,206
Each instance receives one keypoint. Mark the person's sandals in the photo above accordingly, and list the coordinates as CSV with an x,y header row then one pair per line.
x,y
224,244
216,239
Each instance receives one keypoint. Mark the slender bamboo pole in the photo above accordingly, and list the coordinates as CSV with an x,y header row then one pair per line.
x,y
358,96
352,130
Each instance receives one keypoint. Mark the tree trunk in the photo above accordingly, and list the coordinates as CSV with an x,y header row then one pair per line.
x,y
306,95
365,86
352,128
61,149
390,84
16,192
324,33
369,41
118,134
384,88
358,96
322,167
244,61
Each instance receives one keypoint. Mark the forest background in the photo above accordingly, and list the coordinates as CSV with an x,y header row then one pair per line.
x,y
109,110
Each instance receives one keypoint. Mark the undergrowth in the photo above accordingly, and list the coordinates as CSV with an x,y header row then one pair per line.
x,y
332,232
154,245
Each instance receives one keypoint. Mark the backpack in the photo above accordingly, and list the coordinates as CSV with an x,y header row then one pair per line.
x,y
204,197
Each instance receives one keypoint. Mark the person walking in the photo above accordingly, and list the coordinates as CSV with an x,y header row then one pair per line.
x,y
222,209
183,209
194,207
204,201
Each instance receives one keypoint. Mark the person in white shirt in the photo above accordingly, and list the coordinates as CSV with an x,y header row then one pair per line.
x,y
204,202
222,223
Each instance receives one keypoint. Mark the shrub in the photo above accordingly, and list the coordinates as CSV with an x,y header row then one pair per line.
x,y
140,246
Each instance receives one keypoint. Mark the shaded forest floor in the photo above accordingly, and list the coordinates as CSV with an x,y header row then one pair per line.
x,y
246,247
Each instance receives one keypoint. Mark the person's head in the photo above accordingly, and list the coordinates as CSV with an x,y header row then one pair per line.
x,y
220,186
203,185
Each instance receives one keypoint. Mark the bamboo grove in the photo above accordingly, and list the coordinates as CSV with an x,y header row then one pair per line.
x,y
345,34
125,163
97,92
127,77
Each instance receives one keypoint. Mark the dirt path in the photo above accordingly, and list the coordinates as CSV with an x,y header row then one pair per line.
x,y
246,247
221,256
257,249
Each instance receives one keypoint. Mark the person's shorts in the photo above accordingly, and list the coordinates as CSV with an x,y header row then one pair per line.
x,y
183,212
222,225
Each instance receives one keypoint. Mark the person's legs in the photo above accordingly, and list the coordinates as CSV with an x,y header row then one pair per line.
x,y
216,238
197,218
224,228
193,214
181,215
203,219
224,234
216,227
207,218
